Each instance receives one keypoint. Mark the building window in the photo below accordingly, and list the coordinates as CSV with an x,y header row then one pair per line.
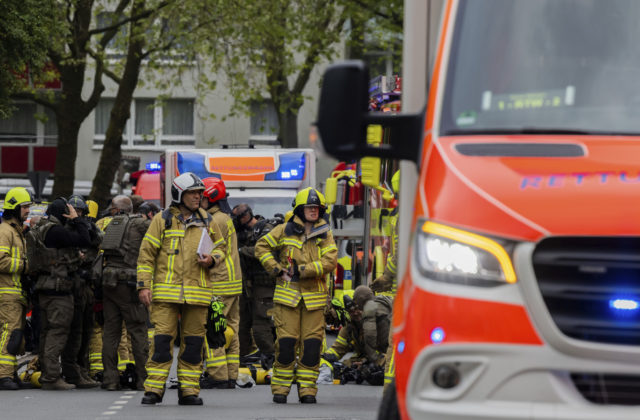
x,y
30,124
264,120
152,123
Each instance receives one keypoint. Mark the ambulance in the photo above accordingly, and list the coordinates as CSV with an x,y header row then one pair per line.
x,y
519,239
266,179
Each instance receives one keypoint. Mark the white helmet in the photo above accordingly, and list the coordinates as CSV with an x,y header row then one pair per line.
x,y
188,181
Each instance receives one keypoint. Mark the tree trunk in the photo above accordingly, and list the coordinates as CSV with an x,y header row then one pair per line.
x,y
288,130
67,150
120,113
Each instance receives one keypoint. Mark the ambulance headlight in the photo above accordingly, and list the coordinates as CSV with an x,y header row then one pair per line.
x,y
454,255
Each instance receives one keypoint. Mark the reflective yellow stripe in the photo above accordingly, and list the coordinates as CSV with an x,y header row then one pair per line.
x,y
158,384
156,371
152,240
174,233
144,269
318,267
292,242
327,249
265,257
5,249
270,240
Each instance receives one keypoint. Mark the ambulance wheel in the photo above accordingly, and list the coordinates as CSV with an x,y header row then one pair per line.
x,y
389,404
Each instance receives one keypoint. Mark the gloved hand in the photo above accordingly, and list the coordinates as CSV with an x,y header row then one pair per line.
x,y
377,285
330,357
266,360
216,325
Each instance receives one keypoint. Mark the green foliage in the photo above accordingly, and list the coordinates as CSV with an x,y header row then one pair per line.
x,y
25,28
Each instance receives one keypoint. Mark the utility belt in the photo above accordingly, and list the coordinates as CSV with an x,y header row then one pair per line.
x,y
49,284
112,276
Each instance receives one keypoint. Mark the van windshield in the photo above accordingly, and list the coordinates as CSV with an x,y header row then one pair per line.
x,y
544,66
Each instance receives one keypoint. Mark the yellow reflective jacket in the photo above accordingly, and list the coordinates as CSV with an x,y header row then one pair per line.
x,y
316,255
227,277
168,261
12,261
387,283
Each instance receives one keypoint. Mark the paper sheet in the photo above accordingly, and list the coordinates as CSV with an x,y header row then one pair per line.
x,y
206,244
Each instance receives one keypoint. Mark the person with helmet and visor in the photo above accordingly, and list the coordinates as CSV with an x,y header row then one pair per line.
x,y
299,253
175,281
13,302
223,363
76,352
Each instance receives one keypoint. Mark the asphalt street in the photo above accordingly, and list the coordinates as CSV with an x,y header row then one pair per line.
x,y
334,402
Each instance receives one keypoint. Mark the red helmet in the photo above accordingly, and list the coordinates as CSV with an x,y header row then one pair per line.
x,y
214,189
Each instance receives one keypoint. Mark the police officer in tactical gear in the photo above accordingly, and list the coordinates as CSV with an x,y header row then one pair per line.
x,y
258,287
54,257
175,280
366,334
148,209
300,253
13,302
76,351
121,245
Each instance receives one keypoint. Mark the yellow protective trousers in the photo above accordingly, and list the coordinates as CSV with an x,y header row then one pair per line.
x,y
223,363
390,362
125,354
12,321
299,334
192,336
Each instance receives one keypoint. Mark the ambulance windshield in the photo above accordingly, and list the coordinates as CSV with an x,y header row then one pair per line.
x,y
545,66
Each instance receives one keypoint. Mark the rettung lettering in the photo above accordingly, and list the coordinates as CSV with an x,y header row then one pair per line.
x,y
579,179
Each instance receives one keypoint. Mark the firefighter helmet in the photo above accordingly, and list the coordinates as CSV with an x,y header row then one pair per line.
x,y
17,197
93,209
187,181
306,197
78,203
395,182
214,189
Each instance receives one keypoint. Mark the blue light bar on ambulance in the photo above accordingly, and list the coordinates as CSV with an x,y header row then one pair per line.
x,y
153,166
624,304
292,168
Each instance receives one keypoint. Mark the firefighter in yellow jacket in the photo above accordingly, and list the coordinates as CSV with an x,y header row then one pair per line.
x,y
13,303
173,278
299,253
222,363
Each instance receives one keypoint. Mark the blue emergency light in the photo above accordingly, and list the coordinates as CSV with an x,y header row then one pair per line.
x,y
292,167
437,335
626,305
153,166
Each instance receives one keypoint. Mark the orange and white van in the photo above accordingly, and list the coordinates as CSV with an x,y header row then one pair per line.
x,y
267,179
519,294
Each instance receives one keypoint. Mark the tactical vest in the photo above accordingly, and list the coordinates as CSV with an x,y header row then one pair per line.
x,y
54,267
121,246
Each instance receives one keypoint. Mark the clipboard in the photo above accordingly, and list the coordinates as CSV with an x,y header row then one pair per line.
x,y
206,244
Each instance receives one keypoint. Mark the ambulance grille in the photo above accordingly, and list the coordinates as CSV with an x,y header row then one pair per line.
x,y
608,389
581,278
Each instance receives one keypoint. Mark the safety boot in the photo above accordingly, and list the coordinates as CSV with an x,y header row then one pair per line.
x,y
58,385
87,383
209,383
308,399
190,400
111,386
7,384
151,398
279,398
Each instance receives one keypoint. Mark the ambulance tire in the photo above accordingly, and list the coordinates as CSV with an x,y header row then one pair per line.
x,y
389,405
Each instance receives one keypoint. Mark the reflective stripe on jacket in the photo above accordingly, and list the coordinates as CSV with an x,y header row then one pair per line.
x,y
316,255
12,260
168,261
227,277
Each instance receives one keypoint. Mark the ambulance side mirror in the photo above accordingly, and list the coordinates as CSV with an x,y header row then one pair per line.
x,y
343,118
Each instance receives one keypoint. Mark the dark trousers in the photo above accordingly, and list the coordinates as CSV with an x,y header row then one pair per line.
x,y
57,316
121,303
